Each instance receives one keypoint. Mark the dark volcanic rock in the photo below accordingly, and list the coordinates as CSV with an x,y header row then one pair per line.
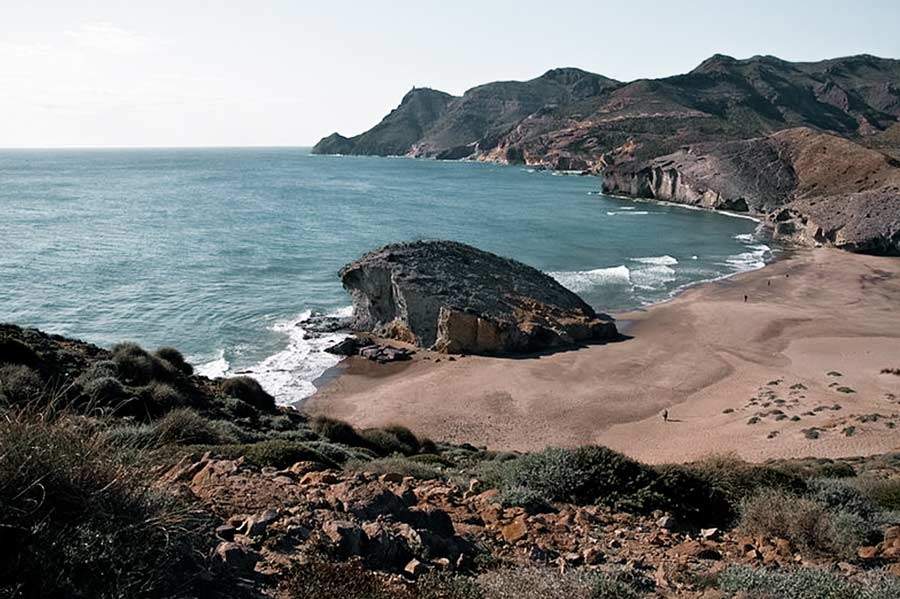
x,y
458,299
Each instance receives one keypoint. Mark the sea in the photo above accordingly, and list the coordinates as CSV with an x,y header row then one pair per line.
x,y
225,253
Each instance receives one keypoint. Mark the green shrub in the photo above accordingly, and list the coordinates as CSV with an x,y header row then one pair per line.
x,y
337,431
806,583
274,452
186,427
839,495
236,408
78,522
131,436
299,435
250,391
19,384
583,475
105,392
338,453
739,480
815,468
13,351
385,443
807,523
330,580
395,465
162,397
548,583
884,492
137,367
174,357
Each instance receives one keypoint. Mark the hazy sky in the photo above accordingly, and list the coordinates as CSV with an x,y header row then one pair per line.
x,y
192,73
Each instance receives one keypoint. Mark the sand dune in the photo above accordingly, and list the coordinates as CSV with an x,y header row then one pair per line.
x,y
794,371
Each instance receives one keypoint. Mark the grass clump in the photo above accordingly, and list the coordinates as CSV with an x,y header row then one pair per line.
x,y
249,391
396,465
274,452
19,384
547,583
137,367
79,522
806,583
186,427
883,492
175,358
336,431
833,518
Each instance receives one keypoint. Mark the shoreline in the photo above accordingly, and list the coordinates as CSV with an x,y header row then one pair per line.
x,y
749,378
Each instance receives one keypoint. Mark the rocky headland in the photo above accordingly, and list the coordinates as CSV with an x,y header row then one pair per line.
x,y
454,298
838,171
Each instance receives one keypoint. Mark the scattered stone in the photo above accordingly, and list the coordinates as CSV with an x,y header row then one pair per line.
x,y
348,538
255,526
226,532
235,556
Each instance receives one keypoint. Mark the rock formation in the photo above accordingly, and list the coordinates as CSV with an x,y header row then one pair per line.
x,y
815,188
457,299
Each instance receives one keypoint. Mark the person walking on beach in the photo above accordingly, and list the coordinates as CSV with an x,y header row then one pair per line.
x,y
665,415
745,299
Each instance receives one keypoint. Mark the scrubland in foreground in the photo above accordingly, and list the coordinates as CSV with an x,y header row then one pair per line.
x,y
124,465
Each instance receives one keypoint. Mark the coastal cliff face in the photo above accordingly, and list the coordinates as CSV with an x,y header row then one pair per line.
x,y
457,299
815,189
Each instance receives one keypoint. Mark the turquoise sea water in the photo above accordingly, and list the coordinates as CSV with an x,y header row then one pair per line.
x,y
224,252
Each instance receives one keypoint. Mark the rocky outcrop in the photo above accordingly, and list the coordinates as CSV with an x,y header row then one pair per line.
x,y
814,188
455,298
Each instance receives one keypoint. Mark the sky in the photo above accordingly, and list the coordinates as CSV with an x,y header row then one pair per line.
x,y
167,73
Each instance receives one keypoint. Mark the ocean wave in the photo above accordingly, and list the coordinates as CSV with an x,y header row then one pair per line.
x,y
665,260
214,368
582,280
620,213
288,374
745,237
652,277
754,258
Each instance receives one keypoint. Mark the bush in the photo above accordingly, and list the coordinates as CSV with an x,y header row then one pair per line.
x,y
13,351
105,392
19,384
236,408
137,367
77,522
739,480
328,580
884,492
187,427
395,465
839,495
174,357
546,583
583,475
250,391
275,453
385,443
807,523
162,397
337,431
806,583
131,436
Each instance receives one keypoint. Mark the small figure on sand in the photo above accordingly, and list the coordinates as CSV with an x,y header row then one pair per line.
x,y
745,299
665,415
769,283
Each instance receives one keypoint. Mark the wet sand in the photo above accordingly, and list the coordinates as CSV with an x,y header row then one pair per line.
x,y
794,371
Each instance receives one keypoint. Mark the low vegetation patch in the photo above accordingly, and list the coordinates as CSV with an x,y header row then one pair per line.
x,y
78,521
806,583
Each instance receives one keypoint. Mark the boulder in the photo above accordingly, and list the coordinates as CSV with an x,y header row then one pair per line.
x,y
454,298
348,538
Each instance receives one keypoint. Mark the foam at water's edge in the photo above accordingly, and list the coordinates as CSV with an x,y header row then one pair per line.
x,y
582,280
657,260
288,374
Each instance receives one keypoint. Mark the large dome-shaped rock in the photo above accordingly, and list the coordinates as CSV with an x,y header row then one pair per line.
x,y
455,298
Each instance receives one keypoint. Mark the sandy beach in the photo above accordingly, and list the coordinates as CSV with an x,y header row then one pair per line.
x,y
794,371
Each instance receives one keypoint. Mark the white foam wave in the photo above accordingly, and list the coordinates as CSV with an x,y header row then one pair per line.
x,y
752,259
744,237
665,260
289,374
582,280
214,368
652,277
620,213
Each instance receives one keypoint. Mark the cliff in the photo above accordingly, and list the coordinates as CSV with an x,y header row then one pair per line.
x,y
815,188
